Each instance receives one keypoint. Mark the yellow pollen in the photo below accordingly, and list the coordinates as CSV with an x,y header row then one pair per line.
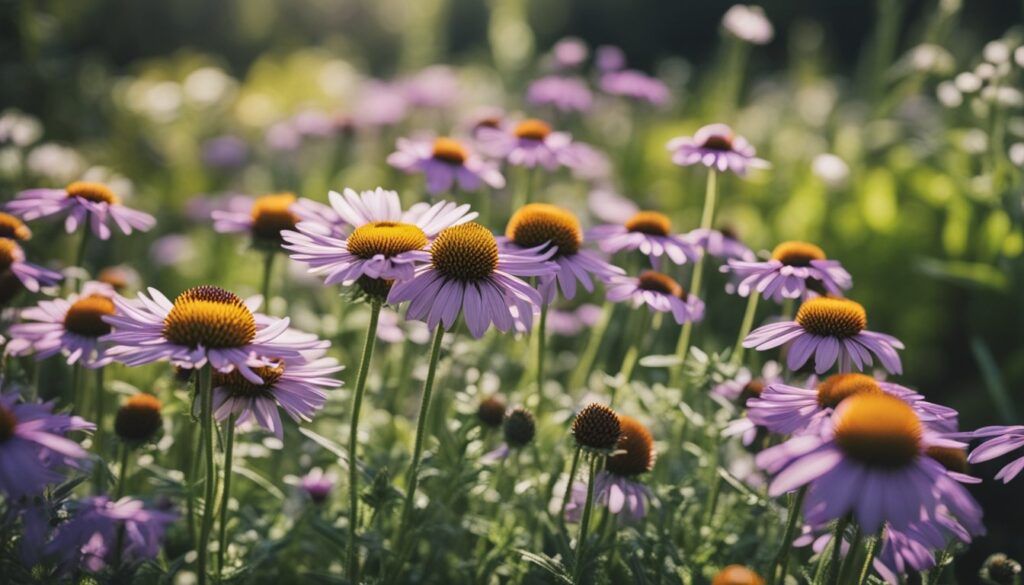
x,y
466,252
388,238
839,387
211,317
951,458
10,252
8,422
878,430
85,316
271,214
95,192
536,224
533,129
236,384
831,317
797,253
651,223
450,151
13,228
658,282
718,142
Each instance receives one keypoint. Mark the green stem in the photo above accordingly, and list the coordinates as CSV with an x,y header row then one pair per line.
x,y
585,522
353,438
837,550
869,556
782,558
83,244
268,270
568,486
589,354
683,347
787,309
101,469
417,451
748,323
229,444
542,334
122,480
206,420
849,562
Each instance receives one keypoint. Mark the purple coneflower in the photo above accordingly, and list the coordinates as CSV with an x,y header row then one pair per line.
x,y
1006,439
296,386
832,330
541,226
71,326
380,104
435,87
100,524
569,52
871,462
609,58
468,273
720,244
204,324
742,390
616,487
265,219
529,143
444,163
660,292
566,94
647,231
81,201
635,85
32,444
748,23
318,485
17,273
715,146
795,270
386,242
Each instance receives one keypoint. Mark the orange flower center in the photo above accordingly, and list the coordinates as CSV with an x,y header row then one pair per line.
x,y
450,151
85,316
537,224
13,228
878,430
658,282
839,387
237,385
533,129
651,223
635,449
797,253
388,238
830,317
10,252
210,317
95,192
466,252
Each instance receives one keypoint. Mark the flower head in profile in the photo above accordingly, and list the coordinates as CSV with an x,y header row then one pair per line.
x,y
204,325
385,243
529,143
659,292
832,330
636,85
296,386
16,274
469,274
748,23
871,461
795,270
616,486
92,535
265,219
318,484
721,243
552,228
33,446
445,162
651,233
717,147
80,202
72,327
565,94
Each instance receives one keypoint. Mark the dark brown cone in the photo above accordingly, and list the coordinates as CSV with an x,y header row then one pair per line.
x,y
138,420
491,411
519,427
635,450
597,427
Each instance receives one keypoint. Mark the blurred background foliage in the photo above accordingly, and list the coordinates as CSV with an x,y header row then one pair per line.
x,y
921,199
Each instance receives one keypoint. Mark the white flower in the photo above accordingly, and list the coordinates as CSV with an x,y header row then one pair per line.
x,y
749,23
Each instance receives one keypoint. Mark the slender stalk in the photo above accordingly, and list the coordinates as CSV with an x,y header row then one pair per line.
x,y
869,555
98,437
589,354
122,479
782,557
421,427
206,420
229,445
353,438
787,309
708,215
542,335
850,560
568,486
837,549
585,522
268,270
83,244
748,323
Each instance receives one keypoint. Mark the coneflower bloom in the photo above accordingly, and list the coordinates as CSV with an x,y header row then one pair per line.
x,y
100,524
204,325
138,420
566,94
32,445
71,326
1000,441
318,485
17,273
717,147
519,429
740,390
616,487
468,274
13,228
530,143
871,462
832,330
386,242
298,387
786,409
265,219
720,244
81,201
635,85
647,231
445,162
795,270
660,292
549,227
